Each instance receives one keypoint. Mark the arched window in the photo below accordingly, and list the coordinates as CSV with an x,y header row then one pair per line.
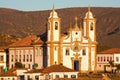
x,y
91,26
84,52
56,25
67,51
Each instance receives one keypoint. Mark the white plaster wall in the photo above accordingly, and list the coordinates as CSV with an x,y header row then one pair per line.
x,y
84,61
48,55
92,58
9,78
61,74
100,64
67,58
4,61
117,55
56,54
84,28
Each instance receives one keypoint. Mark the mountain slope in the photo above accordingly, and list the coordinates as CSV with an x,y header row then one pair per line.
x,y
21,23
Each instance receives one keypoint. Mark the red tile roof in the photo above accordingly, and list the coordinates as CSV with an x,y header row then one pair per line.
x,y
35,71
110,51
78,79
11,72
2,48
7,74
57,68
28,41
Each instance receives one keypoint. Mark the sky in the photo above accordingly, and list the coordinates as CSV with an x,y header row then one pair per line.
x,y
34,5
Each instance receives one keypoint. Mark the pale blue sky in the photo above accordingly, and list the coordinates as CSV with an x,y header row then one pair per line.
x,y
32,5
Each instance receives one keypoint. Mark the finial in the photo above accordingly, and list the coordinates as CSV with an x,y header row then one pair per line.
x,y
76,20
53,10
89,7
53,7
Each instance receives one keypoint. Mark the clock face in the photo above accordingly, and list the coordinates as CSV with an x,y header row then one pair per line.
x,y
76,46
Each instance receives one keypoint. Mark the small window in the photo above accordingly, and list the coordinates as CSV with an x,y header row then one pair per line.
x,y
24,65
12,58
28,77
13,78
31,58
29,66
56,25
36,77
76,33
98,59
55,48
101,59
12,66
67,52
16,57
99,65
65,76
83,52
110,58
2,78
76,48
91,26
73,76
20,58
117,59
104,59
57,76
27,58
1,69
107,58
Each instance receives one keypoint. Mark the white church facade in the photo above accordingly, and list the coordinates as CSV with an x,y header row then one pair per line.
x,y
75,50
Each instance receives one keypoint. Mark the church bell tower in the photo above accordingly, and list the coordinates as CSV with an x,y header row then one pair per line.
x,y
53,38
90,26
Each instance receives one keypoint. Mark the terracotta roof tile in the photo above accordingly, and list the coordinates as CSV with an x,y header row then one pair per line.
x,y
110,51
35,71
2,48
78,79
57,68
11,72
29,40
7,74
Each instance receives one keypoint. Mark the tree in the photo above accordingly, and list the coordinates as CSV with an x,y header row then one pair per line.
x,y
35,65
111,63
18,65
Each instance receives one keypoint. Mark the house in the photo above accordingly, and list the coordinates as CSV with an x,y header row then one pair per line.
x,y
28,51
13,74
2,59
105,56
51,73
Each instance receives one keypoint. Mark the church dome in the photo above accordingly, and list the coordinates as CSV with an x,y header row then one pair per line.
x,y
89,15
53,14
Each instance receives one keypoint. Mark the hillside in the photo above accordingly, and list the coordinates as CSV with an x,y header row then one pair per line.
x,y
22,23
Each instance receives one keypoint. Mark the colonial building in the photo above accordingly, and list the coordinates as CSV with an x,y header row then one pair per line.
x,y
28,51
75,50
51,73
2,59
13,74
104,57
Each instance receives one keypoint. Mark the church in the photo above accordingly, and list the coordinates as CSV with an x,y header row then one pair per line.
x,y
76,49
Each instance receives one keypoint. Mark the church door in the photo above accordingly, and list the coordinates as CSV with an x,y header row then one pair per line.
x,y
76,65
